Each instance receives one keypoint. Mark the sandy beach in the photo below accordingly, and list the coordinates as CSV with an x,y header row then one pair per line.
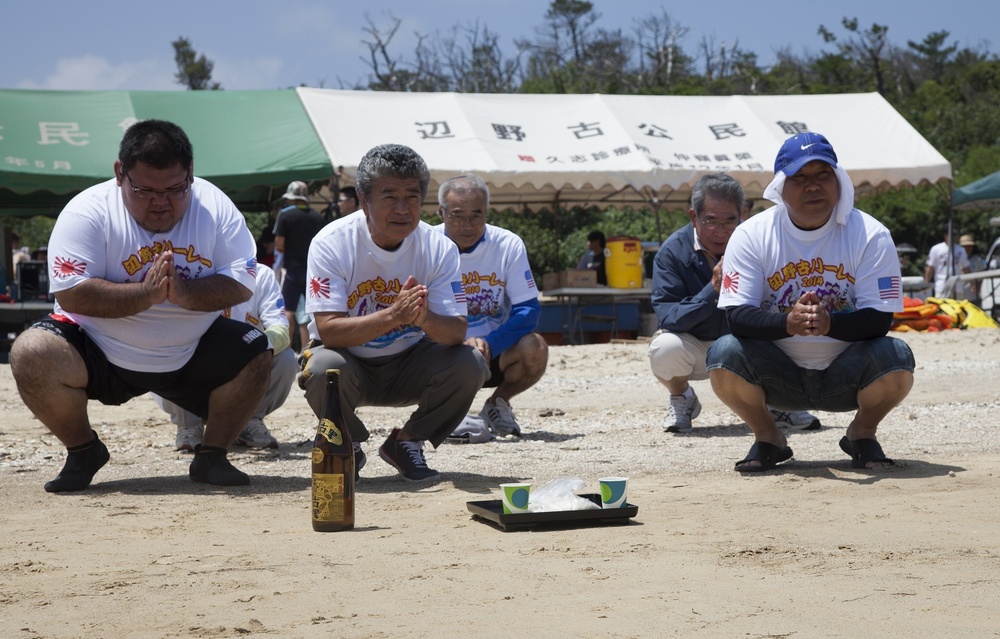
x,y
812,549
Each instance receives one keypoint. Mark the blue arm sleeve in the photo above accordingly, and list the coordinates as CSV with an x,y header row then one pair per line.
x,y
523,319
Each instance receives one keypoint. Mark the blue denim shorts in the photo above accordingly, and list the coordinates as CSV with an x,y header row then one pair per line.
x,y
790,387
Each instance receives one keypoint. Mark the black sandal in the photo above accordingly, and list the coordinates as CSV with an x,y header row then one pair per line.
x,y
767,454
863,451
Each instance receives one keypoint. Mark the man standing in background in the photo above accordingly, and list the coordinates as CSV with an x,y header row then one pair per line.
x,y
297,225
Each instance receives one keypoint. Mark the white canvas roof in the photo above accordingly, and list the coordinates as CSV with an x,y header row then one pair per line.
x,y
539,150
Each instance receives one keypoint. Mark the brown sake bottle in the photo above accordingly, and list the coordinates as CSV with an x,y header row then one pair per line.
x,y
332,465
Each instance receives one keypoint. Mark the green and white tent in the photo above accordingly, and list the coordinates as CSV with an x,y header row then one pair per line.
x,y
251,144
532,150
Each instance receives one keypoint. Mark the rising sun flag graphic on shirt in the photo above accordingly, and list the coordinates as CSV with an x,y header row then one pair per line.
x,y
319,287
65,267
731,282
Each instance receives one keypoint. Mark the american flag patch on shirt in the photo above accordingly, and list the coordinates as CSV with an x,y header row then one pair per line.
x,y
888,287
530,280
456,288
251,267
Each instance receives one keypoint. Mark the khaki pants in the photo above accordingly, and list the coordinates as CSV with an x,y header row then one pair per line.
x,y
441,380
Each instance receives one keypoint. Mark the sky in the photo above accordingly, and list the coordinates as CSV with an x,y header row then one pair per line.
x,y
254,44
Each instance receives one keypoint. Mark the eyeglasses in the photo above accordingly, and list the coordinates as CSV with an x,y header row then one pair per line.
x,y
714,223
473,219
173,193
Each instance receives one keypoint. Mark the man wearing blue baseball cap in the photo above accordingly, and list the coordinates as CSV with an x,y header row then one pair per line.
x,y
809,287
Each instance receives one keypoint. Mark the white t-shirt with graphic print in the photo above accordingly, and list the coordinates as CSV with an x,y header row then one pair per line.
x,y
349,273
770,264
496,275
96,237
266,307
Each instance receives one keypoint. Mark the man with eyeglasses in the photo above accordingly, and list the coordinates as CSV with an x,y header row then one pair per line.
x,y
388,307
687,277
809,288
502,300
141,266
347,200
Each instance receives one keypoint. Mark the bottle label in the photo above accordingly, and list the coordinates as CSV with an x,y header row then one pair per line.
x,y
317,456
328,498
330,432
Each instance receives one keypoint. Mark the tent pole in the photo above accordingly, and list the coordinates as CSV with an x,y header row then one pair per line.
x,y
951,233
659,225
8,259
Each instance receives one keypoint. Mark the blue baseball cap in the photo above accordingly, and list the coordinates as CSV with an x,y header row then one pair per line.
x,y
800,150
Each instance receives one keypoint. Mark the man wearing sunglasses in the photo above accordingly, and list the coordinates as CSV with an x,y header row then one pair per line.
x,y
141,266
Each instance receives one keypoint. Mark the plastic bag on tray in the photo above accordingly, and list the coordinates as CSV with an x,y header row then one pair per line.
x,y
559,495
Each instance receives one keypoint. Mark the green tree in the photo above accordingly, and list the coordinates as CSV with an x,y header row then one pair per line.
x,y
866,51
469,60
661,60
933,58
193,71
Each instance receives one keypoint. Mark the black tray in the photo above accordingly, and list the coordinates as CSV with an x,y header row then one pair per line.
x,y
492,510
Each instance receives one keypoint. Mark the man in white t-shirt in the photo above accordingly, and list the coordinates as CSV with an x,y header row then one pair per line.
x,y
501,295
687,280
385,292
939,269
141,266
809,287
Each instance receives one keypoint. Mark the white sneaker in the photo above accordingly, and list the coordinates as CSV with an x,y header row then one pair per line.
x,y
499,418
256,435
188,437
799,419
680,411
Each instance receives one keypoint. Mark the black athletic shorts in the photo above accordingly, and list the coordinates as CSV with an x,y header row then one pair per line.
x,y
496,375
223,351
293,287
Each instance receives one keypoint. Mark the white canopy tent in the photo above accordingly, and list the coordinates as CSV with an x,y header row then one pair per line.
x,y
549,150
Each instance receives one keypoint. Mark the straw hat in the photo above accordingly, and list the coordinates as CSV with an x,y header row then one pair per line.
x,y
966,240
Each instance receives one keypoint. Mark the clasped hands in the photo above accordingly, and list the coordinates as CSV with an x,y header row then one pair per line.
x,y
410,306
162,283
808,317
